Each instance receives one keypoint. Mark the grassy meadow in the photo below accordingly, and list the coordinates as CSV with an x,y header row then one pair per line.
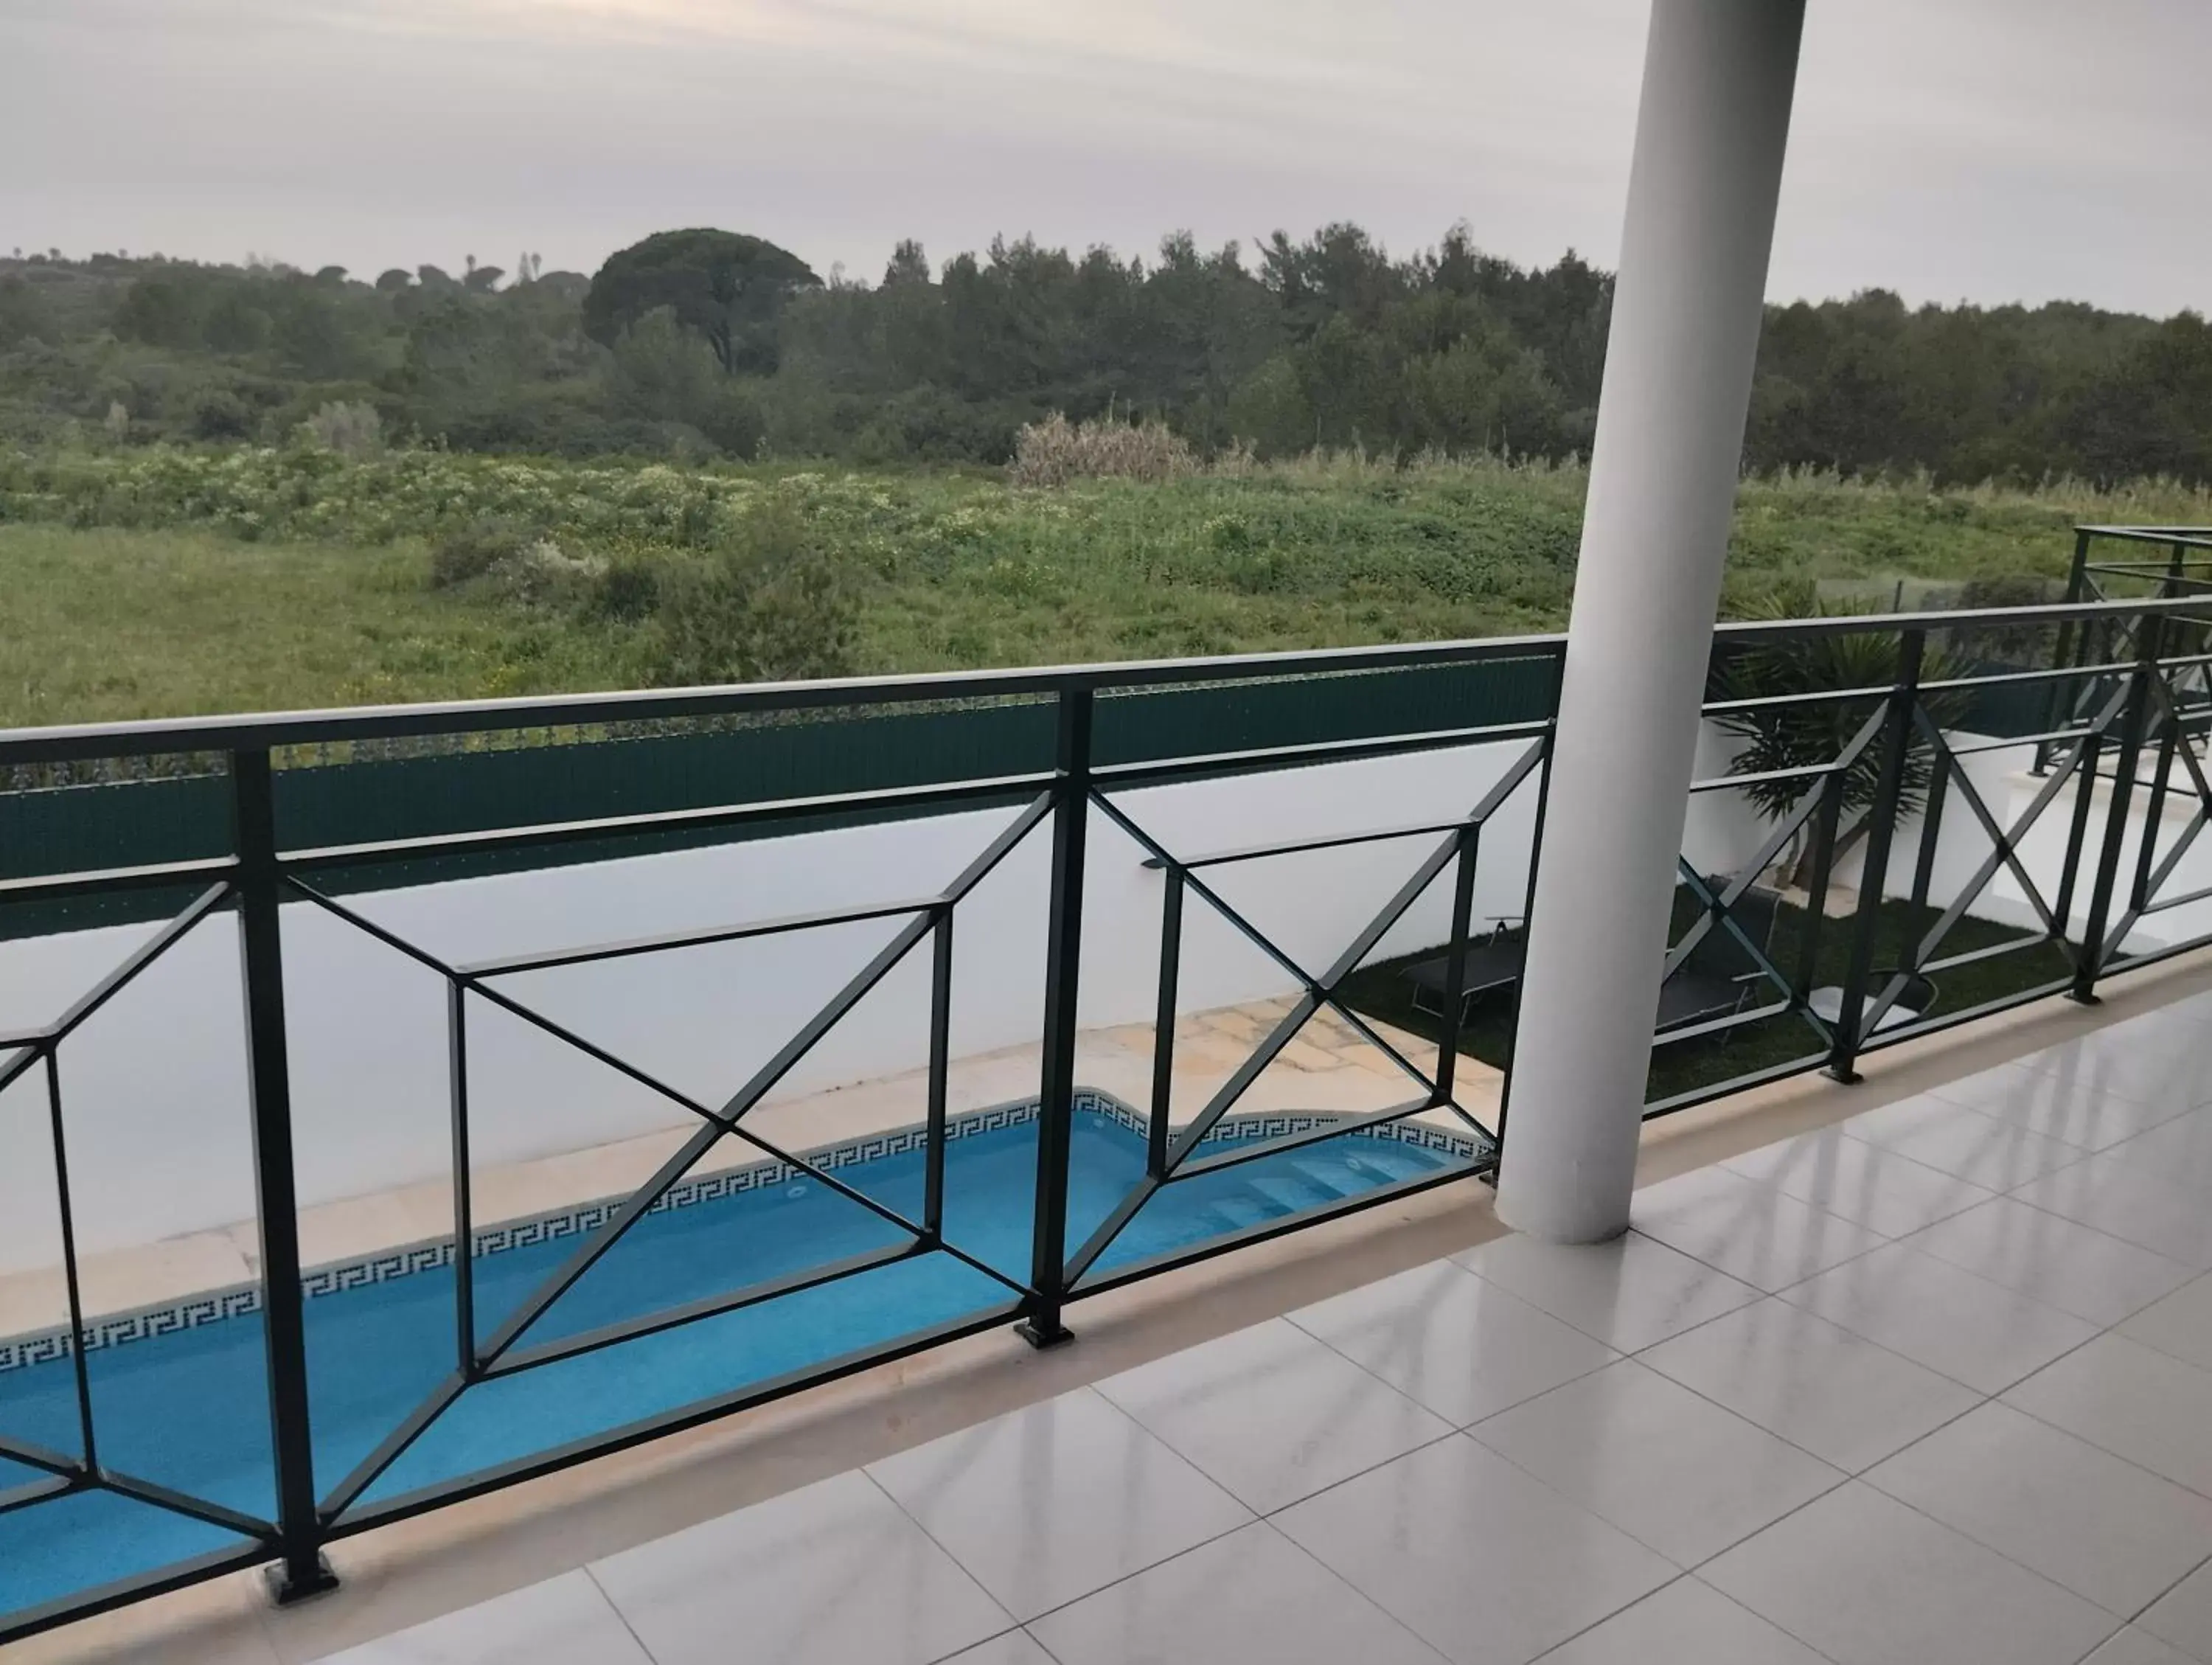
x,y
165,581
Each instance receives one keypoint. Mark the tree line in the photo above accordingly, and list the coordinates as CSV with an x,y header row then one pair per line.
x,y
703,343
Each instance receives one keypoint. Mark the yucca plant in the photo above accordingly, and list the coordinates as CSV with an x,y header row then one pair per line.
x,y
1813,733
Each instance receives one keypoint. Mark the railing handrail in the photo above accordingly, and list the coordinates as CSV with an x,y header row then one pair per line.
x,y
74,742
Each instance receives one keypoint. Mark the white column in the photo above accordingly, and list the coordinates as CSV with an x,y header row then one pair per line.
x,y
1717,80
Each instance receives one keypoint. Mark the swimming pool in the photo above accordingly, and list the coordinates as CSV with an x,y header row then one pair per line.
x,y
187,1407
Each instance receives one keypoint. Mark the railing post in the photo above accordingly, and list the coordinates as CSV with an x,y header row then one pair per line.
x,y
2132,720
302,1572
1042,1327
1873,870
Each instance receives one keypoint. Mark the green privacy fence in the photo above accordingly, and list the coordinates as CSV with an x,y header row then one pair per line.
x,y
796,754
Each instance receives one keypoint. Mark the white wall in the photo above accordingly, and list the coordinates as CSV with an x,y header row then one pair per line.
x,y
158,1137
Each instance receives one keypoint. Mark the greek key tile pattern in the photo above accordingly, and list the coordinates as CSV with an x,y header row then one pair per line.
x,y
19,1352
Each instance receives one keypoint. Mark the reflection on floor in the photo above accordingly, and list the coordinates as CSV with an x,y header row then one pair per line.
x,y
1932,1385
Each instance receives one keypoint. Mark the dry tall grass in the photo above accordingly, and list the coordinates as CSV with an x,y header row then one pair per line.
x,y
1056,450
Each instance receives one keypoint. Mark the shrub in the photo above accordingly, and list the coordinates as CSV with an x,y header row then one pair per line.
x,y
628,590
472,551
770,603
1055,451
220,414
353,431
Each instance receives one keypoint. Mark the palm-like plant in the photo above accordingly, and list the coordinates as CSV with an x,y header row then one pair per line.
x,y
1779,738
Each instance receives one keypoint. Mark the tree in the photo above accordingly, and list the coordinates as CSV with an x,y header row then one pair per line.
x,y
729,288
392,282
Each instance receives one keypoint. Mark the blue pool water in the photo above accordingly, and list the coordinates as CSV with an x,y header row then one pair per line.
x,y
189,1409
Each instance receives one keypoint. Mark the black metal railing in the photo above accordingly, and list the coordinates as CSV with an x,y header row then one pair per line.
x,y
2125,699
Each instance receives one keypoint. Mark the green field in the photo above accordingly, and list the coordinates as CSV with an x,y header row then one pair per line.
x,y
158,582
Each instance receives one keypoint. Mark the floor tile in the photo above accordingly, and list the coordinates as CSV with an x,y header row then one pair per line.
x,y
1406,1535
562,1621
1053,1501
832,1571
2053,1259
1014,1648
1252,1596
2155,1060
2183,1617
2180,1325
2103,1528
1866,1581
2060,1106
1627,1293
1464,1347
1687,1623
2179,1151
1836,1395
1272,1414
2131,1203
2133,1401
2137,1647
1982,1149
1754,1232
1671,1469
1958,1325
1876,1187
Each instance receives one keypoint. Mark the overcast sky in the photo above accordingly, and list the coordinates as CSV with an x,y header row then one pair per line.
x,y
1988,150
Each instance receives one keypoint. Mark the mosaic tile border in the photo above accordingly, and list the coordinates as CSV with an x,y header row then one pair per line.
x,y
122,1328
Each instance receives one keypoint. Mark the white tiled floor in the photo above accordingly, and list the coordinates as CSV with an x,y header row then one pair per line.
x,y
1932,1387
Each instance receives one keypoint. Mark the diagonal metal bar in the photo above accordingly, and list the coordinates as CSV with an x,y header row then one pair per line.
x,y
998,849
36,1491
2002,840
139,958
764,1078
44,1458
1784,829
2167,865
1308,1003
882,1211
66,1209
1717,906
1317,994
1117,1219
595,1245
2002,854
710,1306
1324,991
179,1502
639,1202
82,1475
359,922
1319,991
726,1119
26,1052
391,1448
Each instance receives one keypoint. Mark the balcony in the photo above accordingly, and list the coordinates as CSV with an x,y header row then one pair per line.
x,y
404,1106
